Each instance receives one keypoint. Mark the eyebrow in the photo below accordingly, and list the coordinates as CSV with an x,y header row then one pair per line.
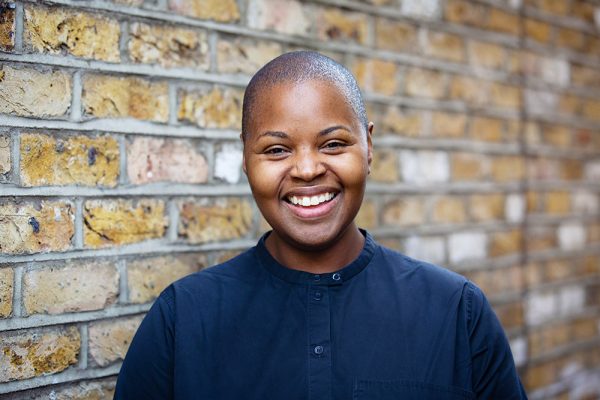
x,y
283,135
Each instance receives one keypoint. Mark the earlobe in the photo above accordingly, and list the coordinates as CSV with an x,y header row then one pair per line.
x,y
370,144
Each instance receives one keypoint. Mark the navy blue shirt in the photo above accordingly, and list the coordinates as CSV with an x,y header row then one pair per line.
x,y
384,327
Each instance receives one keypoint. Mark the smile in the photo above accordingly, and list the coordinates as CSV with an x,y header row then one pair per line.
x,y
309,201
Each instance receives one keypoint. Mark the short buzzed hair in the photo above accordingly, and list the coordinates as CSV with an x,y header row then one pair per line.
x,y
298,67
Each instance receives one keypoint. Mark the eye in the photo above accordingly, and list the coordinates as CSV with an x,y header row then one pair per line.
x,y
275,151
334,145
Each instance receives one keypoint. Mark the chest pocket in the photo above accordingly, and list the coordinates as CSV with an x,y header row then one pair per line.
x,y
407,390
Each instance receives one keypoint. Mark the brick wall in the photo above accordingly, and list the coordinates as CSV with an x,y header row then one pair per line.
x,y
120,164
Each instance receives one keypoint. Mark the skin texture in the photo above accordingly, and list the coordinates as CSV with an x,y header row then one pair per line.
x,y
303,140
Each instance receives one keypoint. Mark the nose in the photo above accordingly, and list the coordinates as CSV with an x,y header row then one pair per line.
x,y
307,165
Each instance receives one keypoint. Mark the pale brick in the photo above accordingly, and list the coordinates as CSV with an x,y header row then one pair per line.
x,y
376,76
404,212
420,82
334,24
395,36
555,71
515,208
396,120
448,124
35,227
467,246
424,167
86,35
471,91
110,339
367,215
228,163
118,222
541,102
5,153
592,170
69,160
571,300
171,160
218,10
427,9
244,55
505,96
384,167
217,108
30,354
448,210
80,390
283,16
445,46
486,207
6,291
586,202
487,55
74,287
508,168
118,96
148,277
29,93
571,236
207,220
7,26
468,166
168,46
431,249
486,129
540,307
518,347
585,76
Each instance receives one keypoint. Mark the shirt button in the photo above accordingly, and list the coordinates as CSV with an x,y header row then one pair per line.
x,y
318,295
336,277
318,350
317,277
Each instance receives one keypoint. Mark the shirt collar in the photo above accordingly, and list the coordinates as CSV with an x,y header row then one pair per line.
x,y
332,278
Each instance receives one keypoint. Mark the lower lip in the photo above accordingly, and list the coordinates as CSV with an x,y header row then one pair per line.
x,y
314,212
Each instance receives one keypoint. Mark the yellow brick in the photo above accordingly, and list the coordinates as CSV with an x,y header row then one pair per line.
x,y
508,168
112,96
77,286
591,109
404,212
110,339
570,104
5,153
448,210
486,129
571,169
385,167
505,96
148,277
445,46
584,11
6,291
467,166
367,215
487,55
401,122
571,38
118,222
558,202
207,220
244,55
465,12
472,91
28,354
585,76
54,30
35,227
394,35
424,83
537,30
334,24
72,160
218,10
7,26
217,108
559,7
503,21
448,124
30,93
376,76
486,207
558,136
168,46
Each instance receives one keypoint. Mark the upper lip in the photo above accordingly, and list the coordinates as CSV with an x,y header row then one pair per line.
x,y
309,191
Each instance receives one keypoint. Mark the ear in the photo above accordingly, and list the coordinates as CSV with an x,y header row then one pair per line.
x,y
370,144
243,153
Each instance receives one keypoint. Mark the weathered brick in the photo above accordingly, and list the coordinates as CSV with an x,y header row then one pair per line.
x,y
283,16
514,209
571,236
148,277
591,109
502,21
215,108
206,220
385,166
571,38
158,159
425,83
395,36
445,46
30,227
402,122
218,10
118,222
448,124
467,166
505,96
424,9
570,104
69,160
72,287
28,92
79,390
110,339
30,354
367,215
470,90
7,26
168,46
585,76
5,153
556,135
486,129
57,30
537,30
583,10
431,249
118,96
334,24
448,210
466,246
508,168
228,162
6,291
465,12
557,7
558,202
376,75
505,243
510,315
486,207
404,212
244,55
424,167
487,55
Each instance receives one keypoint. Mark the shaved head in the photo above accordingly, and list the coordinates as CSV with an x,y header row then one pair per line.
x,y
299,67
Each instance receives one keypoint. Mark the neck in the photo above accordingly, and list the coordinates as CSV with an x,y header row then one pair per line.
x,y
330,258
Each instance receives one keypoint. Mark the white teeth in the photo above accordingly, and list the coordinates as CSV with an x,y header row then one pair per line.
x,y
308,201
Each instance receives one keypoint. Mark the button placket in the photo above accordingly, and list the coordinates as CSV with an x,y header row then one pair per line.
x,y
319,350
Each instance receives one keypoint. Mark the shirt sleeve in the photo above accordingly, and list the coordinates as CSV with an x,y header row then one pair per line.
x,y
147,371
494,373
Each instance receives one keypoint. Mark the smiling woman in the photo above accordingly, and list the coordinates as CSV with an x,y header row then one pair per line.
x,y
317,309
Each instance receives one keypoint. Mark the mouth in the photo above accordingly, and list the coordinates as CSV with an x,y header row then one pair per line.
x,y
310,201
